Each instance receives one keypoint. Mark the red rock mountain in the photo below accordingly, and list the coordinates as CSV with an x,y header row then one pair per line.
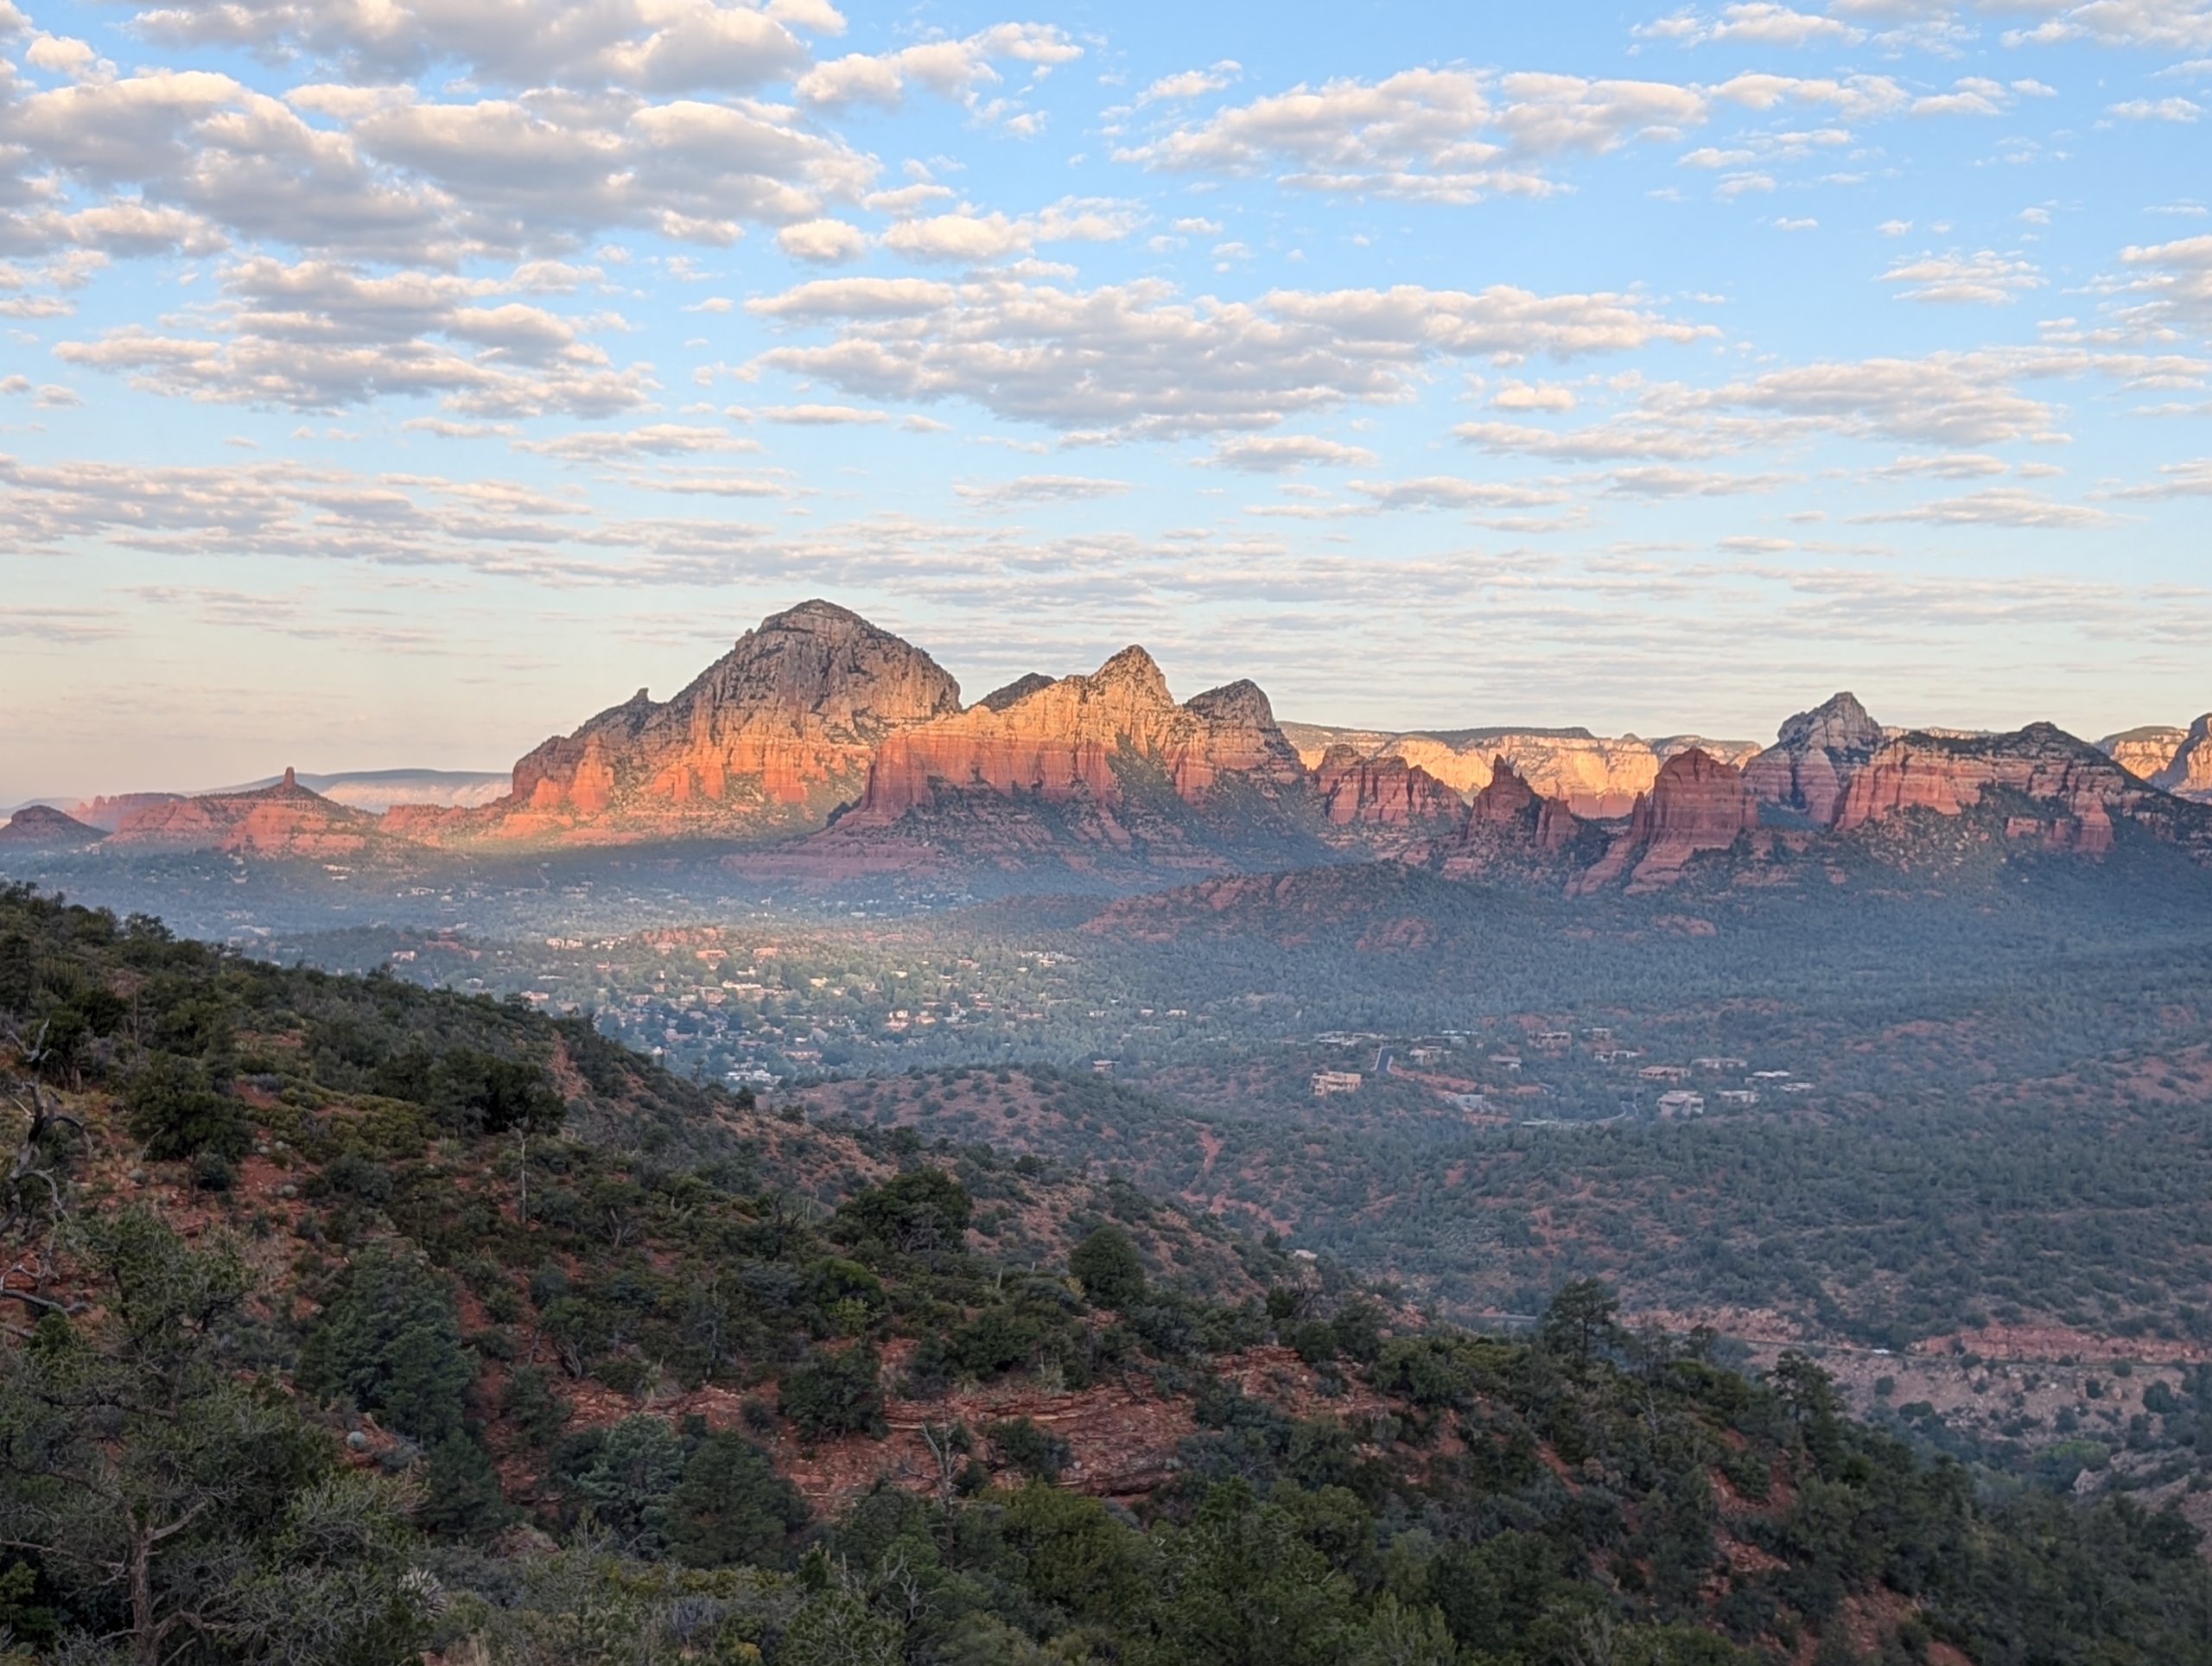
x,y
2188,773
1102,774
284,820
1384,789
107,813
2144,752
1814,758
764,743
1697,802
42,824
1060,739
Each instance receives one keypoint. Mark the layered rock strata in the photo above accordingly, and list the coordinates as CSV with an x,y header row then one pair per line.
x,y
767,740
1816,754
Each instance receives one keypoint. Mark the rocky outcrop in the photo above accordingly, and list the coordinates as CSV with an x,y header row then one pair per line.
x,y
1063,739
765,742
41,826
2076,794
284,820
1816,752
107,813
1104,781
2144,752
1387,790
1696,802
2188,773
1512,831
1594,775
1950,775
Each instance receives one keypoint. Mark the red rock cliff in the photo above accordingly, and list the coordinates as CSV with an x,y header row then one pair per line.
x,y
1059,739
284,820
1948,775
1813,759
2188,773
1697,802
1386,790
768,739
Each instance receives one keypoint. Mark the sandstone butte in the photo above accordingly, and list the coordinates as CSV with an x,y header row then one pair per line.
x,y
1055,737
817,715
42,824
768,740
2144,752
1696,802
285,819
1595,776
2188,773
1385,789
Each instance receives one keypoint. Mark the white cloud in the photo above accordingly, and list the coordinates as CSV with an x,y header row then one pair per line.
x,y
1997,506
318,335
2158,110
975,238
824,416
1950,465
1759,23
1424,134
1945,398
1449,491
1661,480
648,45
1974,95
824,242
654,439
2176,283
952,69
2166,25
1040,488
1984,276
1277,453
1192,83
189,160
1134,359
2192,479
1538,396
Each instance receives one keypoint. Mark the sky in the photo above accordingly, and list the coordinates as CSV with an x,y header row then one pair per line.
x,y
396,385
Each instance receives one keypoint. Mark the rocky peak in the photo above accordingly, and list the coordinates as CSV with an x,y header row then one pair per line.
x,y
766,741
1133,673
1839,724
1697,802
1021,689
1242,703
1809,768
2144,752
43,825
2188,773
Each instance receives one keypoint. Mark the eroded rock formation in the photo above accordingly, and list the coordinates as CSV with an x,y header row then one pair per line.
x,y
1062,739
766,740
284,820
43,825
2144,752
1696,802
1815,756
2188,773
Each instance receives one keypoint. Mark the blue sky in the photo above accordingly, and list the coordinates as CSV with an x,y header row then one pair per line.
x,y
397,386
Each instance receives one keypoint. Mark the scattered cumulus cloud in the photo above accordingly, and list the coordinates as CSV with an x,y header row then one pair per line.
x,y
1984,276
1039,488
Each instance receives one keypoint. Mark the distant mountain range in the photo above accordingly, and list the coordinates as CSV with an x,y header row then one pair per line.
x,y
822,750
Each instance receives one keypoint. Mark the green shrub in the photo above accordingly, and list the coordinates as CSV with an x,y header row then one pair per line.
x,y
1110,1267
389,1339
176,1114
835,1394
732,1508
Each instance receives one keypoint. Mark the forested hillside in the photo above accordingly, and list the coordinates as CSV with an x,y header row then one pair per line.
x,y
347,1320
